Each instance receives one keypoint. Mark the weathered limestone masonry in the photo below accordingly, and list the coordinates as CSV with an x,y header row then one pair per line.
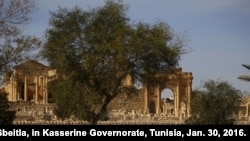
x,y
149,99
27,88
28,82
124,105
30,111
176,80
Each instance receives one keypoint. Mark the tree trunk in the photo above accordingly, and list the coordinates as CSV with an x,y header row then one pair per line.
x,y
94,120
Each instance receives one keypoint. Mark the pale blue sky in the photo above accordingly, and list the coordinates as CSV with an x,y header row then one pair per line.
x,y
218,30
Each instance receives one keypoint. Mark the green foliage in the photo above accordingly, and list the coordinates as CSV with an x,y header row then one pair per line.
x,y
15,47
216,103
94,51
6,116
70,99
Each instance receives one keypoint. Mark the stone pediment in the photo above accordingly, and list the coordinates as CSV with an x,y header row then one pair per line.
x,y
31,67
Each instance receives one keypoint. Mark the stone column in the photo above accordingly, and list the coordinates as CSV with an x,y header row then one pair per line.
x,y
36,91
14,87
45,89
158,100
25,88
247,109
12,97
14,90
176,99
189,90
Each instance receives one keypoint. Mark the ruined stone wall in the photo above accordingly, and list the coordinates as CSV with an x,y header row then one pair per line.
x,y
30,111
127,103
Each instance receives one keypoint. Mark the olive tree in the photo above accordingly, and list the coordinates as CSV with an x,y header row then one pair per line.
x,y
95,50
15,47
216,102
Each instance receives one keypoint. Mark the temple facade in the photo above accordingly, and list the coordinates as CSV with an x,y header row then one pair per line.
x,y
28,82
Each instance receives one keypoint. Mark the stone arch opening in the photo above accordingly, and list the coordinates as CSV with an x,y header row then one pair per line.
x,y
181,85
167,95
167,102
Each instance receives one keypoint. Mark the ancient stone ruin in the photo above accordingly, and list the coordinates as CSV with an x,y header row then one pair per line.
x,y
28,95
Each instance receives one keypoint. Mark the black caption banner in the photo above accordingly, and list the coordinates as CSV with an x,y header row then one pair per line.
x,y
146,132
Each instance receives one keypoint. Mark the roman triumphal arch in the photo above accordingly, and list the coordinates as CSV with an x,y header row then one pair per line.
x,y
176,80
